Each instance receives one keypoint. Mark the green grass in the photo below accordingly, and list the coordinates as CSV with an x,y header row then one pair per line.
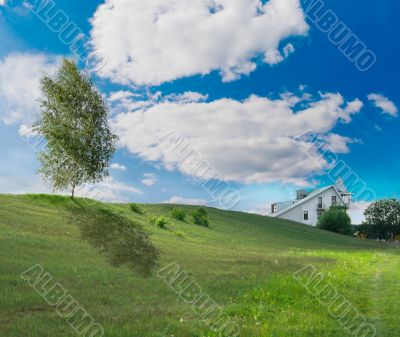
x,y
244,262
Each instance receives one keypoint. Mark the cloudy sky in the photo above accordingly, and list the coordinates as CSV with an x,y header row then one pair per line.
x,y
235,82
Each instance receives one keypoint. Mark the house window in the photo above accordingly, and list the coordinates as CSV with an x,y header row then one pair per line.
x,y
319,202
274,208
319,213
334,200
305,215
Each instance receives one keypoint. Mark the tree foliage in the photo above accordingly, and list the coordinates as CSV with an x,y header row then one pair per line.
x,y
382,219
336,220
74,122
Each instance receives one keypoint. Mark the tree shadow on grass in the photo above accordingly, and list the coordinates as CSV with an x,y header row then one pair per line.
x,y
120,240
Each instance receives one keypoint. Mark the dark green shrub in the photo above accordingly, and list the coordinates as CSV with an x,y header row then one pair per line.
x,y
135,208
336,220
200,217
178,214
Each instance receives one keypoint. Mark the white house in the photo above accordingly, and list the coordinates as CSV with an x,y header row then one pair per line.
x,y
309,205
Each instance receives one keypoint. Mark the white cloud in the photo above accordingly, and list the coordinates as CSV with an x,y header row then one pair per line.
x,y
2,2
187,97
356,212
27,131
184,38
19,85
123,101
149,179
354,106
109,190
246,141
186,201
337,143
275,56
288,49
262,210
22,183
121,95
116,166
386,105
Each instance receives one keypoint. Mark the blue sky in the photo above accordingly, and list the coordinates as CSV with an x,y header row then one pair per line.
x,y
238,79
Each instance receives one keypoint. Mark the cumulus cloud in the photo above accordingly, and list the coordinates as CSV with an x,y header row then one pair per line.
x,y
187,97
125,100
19,85
248,141
186,201
382,102
110,190
149,179
337,143
116,166
155,41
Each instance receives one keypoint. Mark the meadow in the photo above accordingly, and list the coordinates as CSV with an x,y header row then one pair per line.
x,y
244,262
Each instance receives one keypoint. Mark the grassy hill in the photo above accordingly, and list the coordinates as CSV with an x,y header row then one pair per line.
x,y
244,262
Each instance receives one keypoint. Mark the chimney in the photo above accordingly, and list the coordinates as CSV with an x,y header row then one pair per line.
x,y
301,194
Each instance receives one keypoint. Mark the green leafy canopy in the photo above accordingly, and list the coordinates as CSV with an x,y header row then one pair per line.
x,y
74,122
382,219
336,220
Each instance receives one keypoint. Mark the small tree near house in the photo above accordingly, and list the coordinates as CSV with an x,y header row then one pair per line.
x,y
74,122
336,220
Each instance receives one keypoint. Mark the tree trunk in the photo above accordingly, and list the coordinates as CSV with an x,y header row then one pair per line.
x,y
73,192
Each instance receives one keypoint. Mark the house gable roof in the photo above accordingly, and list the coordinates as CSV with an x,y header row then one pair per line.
x,y
308,197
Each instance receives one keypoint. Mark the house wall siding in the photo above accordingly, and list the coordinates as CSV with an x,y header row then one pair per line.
x,y
297,212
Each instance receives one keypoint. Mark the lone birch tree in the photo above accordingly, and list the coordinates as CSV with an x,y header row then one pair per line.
x,y
74,123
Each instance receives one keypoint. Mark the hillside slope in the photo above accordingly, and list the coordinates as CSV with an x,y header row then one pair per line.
x,y
244,262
